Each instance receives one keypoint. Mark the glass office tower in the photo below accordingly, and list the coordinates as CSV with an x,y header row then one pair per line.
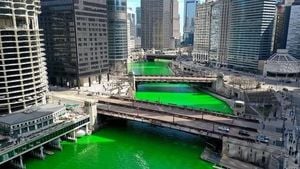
x,y
251,32
189,21
117,35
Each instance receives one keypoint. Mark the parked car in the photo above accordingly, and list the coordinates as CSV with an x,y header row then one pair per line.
x,y
223,128
244,133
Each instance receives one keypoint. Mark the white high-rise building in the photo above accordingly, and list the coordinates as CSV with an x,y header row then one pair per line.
x,y
23,79
130,29
211,32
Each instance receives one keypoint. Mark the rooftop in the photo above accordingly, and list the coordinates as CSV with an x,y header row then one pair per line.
x,y
30,114
282,55
283,63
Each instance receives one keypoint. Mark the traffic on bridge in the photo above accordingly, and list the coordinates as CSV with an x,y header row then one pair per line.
x,y
192,121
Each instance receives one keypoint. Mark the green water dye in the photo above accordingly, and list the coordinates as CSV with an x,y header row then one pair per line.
x,y
179,94
159,67
129,146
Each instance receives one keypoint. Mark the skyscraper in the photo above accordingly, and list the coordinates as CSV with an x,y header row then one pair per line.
x,y
138,22
281,26
293,40
117,35
202,32
23,80
189,21
211,32
219,32
138,32
251,31
160,24
130,29
176,23
76,40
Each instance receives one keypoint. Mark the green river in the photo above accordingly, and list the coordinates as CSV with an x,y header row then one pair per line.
x,y
179,94
128,146
134,145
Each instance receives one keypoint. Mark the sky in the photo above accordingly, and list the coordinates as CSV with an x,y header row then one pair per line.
x,y
136,3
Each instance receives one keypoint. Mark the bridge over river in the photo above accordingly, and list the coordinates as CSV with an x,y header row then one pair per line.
x,y
188,120
204,80
152,57
176,79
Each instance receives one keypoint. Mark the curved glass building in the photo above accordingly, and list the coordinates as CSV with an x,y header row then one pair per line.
x,y
117,34
23,80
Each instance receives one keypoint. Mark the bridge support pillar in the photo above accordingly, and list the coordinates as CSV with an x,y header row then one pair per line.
x,y
38,153
91,109
18,163
72,136
56,144
41,153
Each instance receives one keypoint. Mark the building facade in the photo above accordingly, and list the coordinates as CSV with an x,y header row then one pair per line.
x,y
160,24
23,78
281,26
211,32
251,33
293,39
189,21
176,23
138,22
117,35
131,30
76,40
202,33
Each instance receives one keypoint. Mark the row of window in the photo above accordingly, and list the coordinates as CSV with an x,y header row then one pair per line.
x,y
92,58
32,122
92,24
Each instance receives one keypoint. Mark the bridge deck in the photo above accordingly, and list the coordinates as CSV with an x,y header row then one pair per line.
x,y
175,79
178,111
197,122
181,123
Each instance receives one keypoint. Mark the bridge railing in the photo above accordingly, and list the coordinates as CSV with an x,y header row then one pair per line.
x,y
200,110
189,76
110,112
179,115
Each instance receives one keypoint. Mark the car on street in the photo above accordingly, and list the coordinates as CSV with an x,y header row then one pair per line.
x,y
223,128
244,133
